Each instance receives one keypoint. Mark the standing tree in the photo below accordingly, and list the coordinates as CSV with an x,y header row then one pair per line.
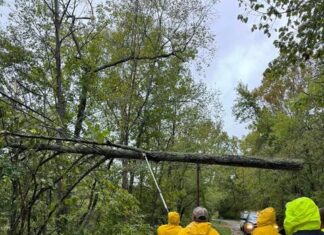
x,y
67,65
286,110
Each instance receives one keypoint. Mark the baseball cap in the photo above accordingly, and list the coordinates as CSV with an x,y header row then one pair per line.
x,y
200,214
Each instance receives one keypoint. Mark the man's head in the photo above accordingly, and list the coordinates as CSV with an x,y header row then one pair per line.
x,y
200,214
321,210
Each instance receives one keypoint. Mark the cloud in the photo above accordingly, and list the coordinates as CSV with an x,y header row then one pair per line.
x,y
241,56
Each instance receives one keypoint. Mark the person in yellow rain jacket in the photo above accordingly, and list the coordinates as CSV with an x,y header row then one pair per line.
x,y
266,223
199,224
302,217
173,227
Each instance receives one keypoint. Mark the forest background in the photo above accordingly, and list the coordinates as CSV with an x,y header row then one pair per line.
x,y
83,74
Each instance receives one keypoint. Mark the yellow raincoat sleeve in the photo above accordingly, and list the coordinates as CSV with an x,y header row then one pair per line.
x,y
213,232
161,230
197,229
182,232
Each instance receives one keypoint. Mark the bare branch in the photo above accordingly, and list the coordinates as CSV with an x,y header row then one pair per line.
x,y
27,88
41,122
48,6
66,7
133,57
25,106
69,190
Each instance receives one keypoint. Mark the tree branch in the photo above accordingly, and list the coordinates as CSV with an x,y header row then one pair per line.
x,y
135,57
80,141
69,190
25,106
48,6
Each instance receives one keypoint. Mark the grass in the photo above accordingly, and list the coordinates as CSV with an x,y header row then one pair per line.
x,y
221,228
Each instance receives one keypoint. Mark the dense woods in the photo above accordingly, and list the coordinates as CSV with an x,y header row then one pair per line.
x,y
78,74
286,111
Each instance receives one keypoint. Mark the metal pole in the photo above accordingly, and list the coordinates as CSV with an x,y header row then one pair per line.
x,y
198,185
156,184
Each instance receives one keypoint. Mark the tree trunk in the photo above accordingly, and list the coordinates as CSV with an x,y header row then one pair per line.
x,y
13,212
137,154
60,106
81,111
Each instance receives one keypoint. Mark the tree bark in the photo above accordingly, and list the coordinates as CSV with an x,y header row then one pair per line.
x,y
81,109
60,106
137,154
13,213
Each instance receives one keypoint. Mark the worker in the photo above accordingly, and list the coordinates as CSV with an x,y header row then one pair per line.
x,y
199,224
266,222
302,217
173,227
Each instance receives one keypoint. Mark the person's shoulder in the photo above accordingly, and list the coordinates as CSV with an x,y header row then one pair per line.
x,y
161,227
213,232
182,231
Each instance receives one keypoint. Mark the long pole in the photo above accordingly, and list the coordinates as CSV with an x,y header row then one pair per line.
x,y
156,184
198,185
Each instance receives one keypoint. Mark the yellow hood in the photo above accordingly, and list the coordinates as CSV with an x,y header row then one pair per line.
x,y
266,217
173,218
301,214
199,228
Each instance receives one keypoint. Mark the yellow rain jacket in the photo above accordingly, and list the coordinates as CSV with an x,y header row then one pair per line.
x,y
195,228
266,222
301,214
173,227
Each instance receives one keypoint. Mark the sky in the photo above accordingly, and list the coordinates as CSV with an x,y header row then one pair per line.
x,y
241,56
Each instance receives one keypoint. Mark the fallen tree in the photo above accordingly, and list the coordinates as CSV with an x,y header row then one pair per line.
x,y
35,155
115,151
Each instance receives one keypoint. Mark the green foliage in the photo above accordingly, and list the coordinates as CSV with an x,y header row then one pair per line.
x,y
6,167
223,230
246,107
96,132
289,126
116,212
300,36
289,121
116,72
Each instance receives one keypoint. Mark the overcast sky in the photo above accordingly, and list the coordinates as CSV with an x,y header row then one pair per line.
x,y
240,56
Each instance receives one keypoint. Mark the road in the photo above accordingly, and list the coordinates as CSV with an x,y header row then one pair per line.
x,y
234,225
